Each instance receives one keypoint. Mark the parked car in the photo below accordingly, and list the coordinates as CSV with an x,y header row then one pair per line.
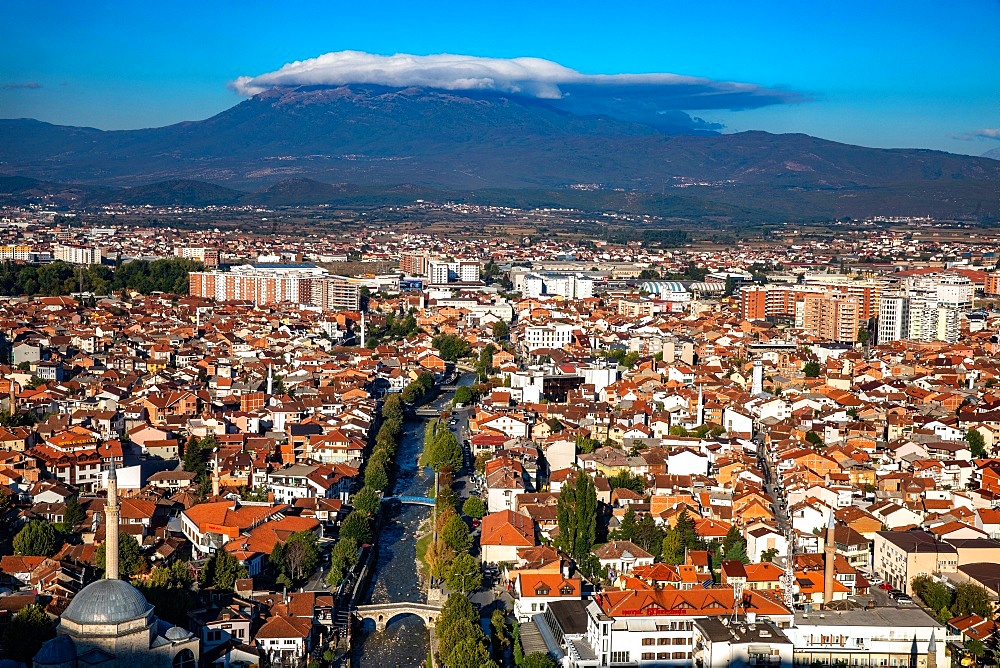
x,y
886,586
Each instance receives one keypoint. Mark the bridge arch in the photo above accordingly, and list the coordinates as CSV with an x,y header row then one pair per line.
x,y
383,614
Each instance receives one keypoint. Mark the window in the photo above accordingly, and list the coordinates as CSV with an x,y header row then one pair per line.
x,y
663,641
679,655
662,655
649,656
648,641
619,657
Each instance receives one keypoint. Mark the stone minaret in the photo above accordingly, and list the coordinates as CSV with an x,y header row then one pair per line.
x,y
701,406
830,552
111,511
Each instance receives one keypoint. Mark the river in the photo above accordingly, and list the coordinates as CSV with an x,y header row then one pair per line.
x,y
405,641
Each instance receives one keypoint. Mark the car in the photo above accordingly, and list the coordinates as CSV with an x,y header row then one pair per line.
x,y
885,586
476,522
904,599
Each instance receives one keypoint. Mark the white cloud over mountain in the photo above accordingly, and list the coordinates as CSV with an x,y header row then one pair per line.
x,y
529,77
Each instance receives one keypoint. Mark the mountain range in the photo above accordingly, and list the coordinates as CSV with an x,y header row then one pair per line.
x,y
371,144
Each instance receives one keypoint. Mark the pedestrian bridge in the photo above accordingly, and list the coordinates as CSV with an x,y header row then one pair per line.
x,y
410,500
427,412
383,613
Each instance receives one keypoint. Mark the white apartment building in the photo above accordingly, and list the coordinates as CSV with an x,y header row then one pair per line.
x,y
927,308
78,254
548,336
571,286
463,271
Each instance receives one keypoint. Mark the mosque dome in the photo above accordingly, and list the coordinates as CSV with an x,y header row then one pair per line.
x,y
107,602
176,633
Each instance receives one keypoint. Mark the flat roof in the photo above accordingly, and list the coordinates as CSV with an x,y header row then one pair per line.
x,y
895,617
917,541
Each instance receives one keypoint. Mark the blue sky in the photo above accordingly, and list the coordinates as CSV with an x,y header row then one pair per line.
x,y
898,74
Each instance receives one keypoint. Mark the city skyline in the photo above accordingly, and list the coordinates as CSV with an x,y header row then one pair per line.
x,y
868,74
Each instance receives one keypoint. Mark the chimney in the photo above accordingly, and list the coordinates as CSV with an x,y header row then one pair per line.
x,y
830,552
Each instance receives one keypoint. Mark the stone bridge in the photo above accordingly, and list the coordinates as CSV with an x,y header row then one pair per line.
x,y
383,613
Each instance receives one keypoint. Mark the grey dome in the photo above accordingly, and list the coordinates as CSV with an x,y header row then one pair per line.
x,y
58,650
176,633
107,602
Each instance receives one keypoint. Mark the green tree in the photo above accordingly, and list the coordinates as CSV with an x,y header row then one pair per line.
x,y
28,629
169,589
38,538
498,622
392,408
451,346
456,534
686,527
576,515
464,573
463,395
628,480
769,554
357,527
811,369
474,507
673,547
299,555
441,448
500,330
129,557
972,599
734,546
376,474
538,660
221,571
977,445
628,527
367,500
936,595
814,439
342,557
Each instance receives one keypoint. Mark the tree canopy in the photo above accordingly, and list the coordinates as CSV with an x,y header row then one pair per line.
x,y
577,517
38,538
129,558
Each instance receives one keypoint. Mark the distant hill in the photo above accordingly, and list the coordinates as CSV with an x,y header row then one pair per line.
x,y
358,143
993,153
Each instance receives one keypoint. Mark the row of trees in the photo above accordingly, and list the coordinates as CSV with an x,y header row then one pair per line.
x,y
59,278
671,544
966,599
356,529
461,641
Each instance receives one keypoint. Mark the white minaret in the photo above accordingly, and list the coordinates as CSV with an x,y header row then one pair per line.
x,y
362,329
111,511
216,483
758,378
270,379
701,406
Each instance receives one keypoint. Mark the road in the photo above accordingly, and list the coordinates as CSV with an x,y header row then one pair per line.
x,y
772,485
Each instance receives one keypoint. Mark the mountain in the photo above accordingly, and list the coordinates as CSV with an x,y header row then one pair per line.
x,y
993,153
357,143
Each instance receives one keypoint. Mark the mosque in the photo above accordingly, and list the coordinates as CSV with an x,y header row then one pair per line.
x,y
109,623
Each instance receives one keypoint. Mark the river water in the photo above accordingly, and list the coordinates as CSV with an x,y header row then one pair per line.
x,y
405,641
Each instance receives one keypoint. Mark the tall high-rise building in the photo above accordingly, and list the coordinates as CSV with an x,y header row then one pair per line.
x,y
831,317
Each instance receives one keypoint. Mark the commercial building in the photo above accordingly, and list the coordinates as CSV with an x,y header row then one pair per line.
x,y
571,286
